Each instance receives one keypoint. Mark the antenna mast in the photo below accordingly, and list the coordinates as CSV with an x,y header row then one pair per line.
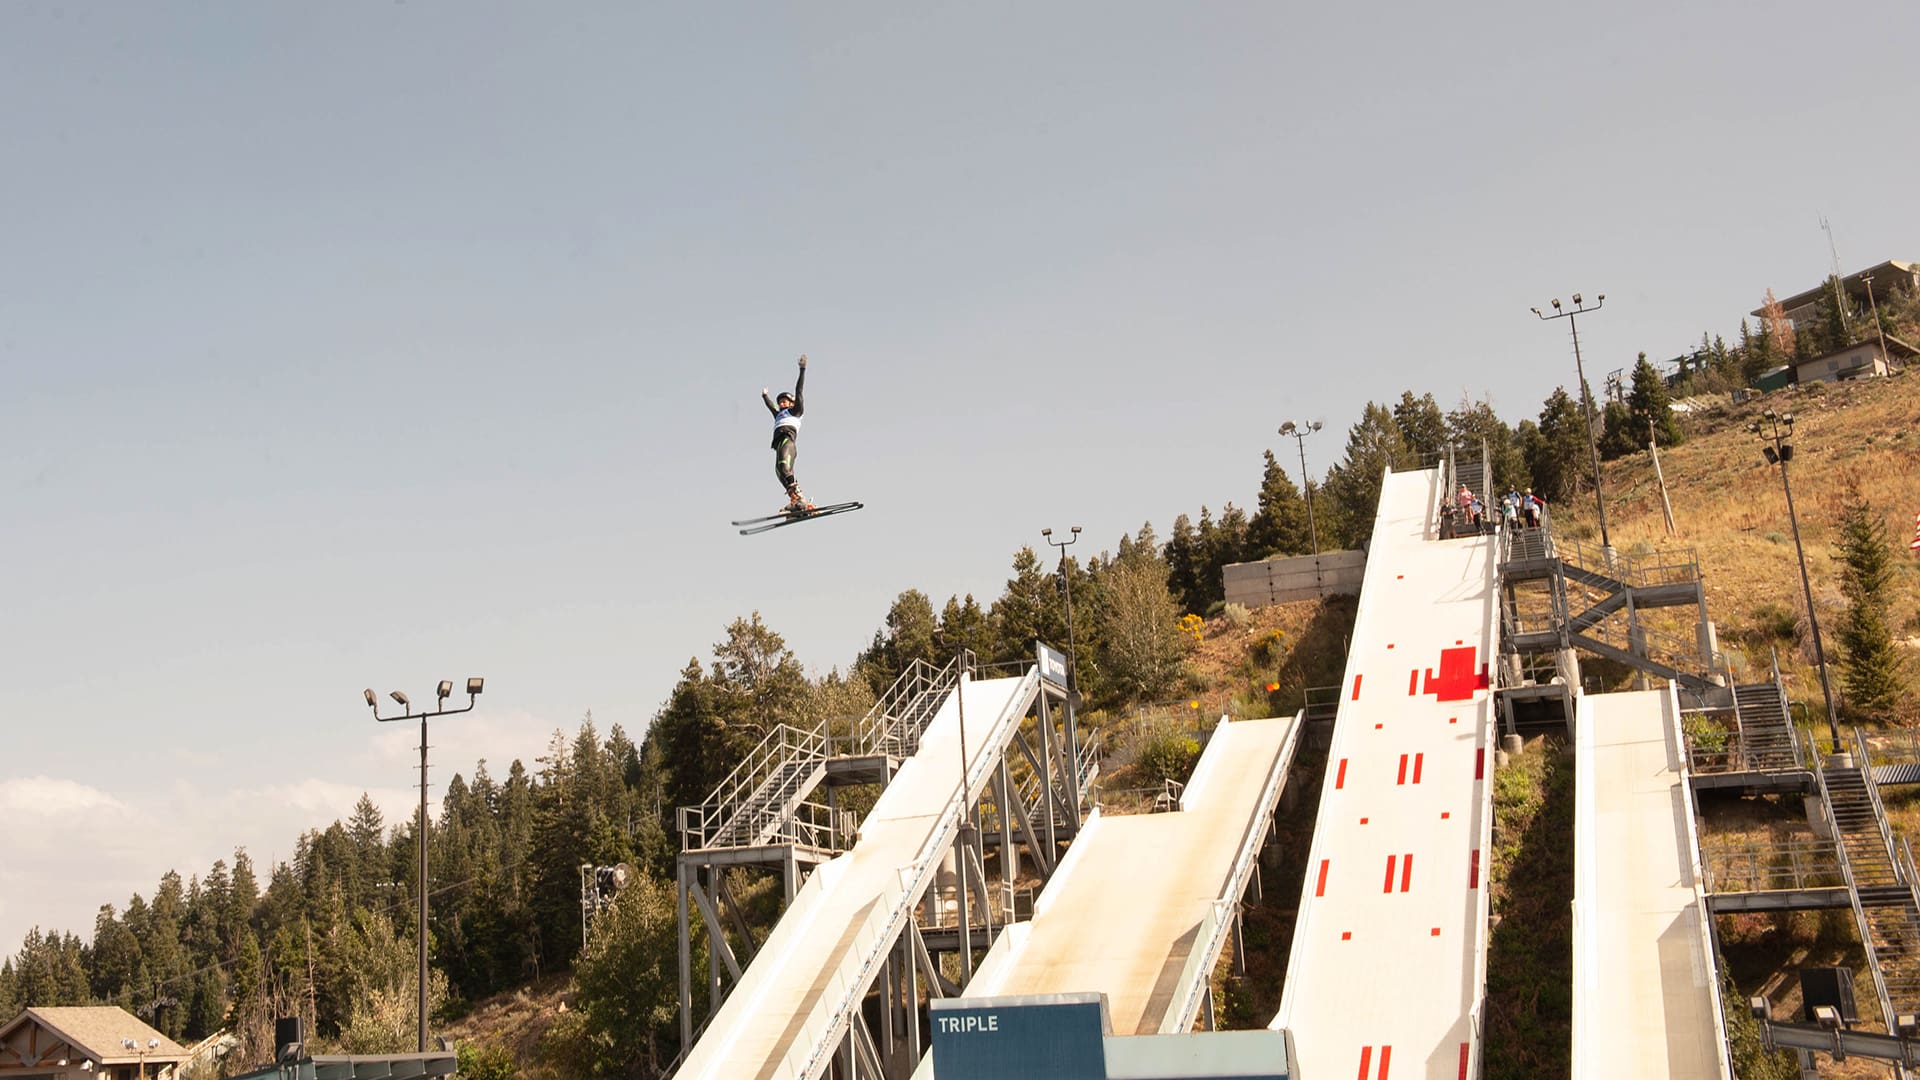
x,y
1839,297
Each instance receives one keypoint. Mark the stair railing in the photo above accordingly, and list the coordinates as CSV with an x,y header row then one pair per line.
x,y
1864,763
1853,888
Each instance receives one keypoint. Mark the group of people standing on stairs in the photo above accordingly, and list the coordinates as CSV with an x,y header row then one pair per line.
x,y
1515,508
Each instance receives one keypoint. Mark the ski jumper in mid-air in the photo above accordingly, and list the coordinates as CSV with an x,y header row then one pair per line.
x,y
787,409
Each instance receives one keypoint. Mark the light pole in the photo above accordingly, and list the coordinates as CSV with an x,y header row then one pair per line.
x,y
1066,579
1586,399
474,686
1775,429
1300,433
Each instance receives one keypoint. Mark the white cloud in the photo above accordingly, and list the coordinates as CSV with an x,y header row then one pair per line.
x,y
48,796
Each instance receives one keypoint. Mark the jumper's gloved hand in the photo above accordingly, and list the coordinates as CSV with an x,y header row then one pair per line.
x,y
803,361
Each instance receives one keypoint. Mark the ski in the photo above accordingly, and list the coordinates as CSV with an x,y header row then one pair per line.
x,y
755,526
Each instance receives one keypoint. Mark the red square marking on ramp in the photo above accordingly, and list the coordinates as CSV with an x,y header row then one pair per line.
x,y
1436,931
1389,644
1363,821
1346,935
1445,814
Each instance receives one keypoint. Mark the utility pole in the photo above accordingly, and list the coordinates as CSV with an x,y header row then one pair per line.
x,y
1300,433
1586,399
1775,432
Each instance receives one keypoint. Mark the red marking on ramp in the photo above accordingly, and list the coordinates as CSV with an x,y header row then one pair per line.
x,y
1436,931
1413,682
1356,687
1417,760
1346,935
1403,770
1406,873
1386,1058
1445,814
1320,889
1480,764
1363,821
1463,1061
1366,1060
1473,876
1391,860
1340,779
1457,679
1389,644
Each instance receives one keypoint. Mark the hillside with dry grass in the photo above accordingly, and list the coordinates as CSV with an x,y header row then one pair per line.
x,y
1730,508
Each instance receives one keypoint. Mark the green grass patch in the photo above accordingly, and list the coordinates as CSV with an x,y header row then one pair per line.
x,y
1529,1014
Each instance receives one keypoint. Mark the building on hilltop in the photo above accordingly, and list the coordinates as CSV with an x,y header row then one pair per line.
x,y
1892,276
1861,360
83,1043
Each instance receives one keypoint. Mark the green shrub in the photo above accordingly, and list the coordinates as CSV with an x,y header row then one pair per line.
x,y
1775,622
1236,614
479,1062
1167,754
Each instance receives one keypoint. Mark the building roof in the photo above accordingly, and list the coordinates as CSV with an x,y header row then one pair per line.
x,y
97,1031
1853,283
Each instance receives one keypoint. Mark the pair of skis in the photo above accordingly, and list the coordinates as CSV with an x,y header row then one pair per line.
x,y
784,518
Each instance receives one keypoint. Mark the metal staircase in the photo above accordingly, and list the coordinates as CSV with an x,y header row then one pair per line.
x,y
1558,594
1767,739
1879,876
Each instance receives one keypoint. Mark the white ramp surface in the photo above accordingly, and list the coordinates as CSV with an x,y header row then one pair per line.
x,y
781,1021
1135,901
1386,976
1645,1002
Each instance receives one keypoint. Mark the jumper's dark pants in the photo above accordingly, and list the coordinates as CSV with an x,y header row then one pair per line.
x,y
784,453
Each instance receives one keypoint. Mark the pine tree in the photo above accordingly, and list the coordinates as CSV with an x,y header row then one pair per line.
x,y
1870,668
1374,444
1422,429
1830,321
1279,525
1474,423
1556,458
1649,407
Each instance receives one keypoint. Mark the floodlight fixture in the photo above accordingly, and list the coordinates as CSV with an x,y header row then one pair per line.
x,y
1827,1017
1047,532
1757,1008
1536,311
1602,298
401,698
1906,1025
1287,428
446,689
1556,303
153,1044
373,701
475,685
1576,298
1315,426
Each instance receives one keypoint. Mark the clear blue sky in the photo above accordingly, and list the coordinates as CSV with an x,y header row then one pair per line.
x,y
350,345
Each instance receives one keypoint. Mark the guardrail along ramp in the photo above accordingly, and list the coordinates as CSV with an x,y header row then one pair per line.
x,y
1387,972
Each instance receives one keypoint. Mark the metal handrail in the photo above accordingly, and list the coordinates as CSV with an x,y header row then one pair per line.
x,y
1864,762
1853,889
783,746
1810,863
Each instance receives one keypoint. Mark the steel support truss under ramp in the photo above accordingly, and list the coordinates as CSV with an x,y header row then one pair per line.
x,y
981,774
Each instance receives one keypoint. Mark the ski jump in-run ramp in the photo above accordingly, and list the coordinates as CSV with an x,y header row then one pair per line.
x,y
1387,973
1141,905
1645,1000
789,1010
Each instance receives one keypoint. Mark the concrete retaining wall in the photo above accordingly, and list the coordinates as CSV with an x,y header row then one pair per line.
x,y
1302,577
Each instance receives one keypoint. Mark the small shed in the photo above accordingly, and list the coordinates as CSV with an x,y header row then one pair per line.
x,y
85,1042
